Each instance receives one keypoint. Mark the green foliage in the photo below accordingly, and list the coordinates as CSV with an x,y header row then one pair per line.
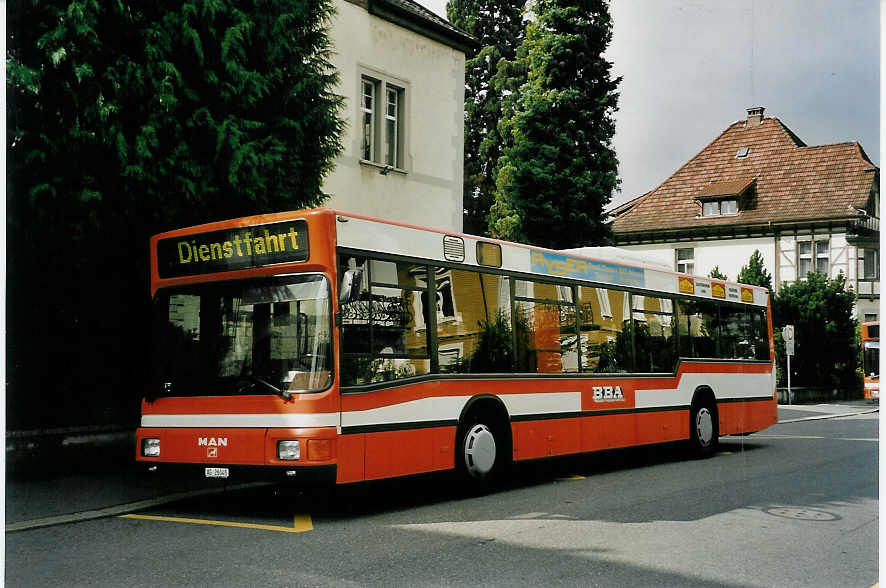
x,y
494,351
498,26
826,351
617,356
754,273
717,274
126,119
558,168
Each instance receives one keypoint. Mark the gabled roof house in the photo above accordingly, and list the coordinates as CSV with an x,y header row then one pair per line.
x,y
759,186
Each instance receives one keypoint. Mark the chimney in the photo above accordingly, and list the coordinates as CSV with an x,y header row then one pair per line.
x,y
755,116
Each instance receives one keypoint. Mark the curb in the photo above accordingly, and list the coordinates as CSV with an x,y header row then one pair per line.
x,y
111,511
829,416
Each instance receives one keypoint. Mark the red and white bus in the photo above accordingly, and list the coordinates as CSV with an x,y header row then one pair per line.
x,y
325,346
870,349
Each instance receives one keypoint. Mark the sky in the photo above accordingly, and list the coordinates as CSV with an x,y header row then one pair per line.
x,y
691,68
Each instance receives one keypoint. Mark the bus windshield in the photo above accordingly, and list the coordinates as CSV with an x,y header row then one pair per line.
x,y
243,338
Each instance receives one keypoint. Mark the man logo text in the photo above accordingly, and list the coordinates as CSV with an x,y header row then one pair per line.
x,y
608,394
212,441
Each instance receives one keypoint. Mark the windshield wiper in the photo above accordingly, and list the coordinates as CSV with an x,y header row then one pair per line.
x,y
286,394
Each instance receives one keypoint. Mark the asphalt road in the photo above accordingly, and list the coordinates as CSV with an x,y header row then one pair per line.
x,y
795,505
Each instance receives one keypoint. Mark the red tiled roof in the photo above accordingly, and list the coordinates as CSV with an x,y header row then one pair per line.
x,y
725,188
791,182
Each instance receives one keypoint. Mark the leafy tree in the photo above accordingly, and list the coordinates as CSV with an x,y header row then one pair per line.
x,y
820,309
717,274
754,273
498,26
558,168
494,351
128,118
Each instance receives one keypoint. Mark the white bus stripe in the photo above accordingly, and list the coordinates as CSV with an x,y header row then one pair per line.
x,y
290,421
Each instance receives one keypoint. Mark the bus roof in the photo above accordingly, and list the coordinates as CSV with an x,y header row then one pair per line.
x,y
604,266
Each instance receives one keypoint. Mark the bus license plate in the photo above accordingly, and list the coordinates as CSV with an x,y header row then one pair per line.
x,y
217,472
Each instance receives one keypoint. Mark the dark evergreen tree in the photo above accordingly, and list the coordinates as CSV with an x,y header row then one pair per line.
x,y
717,274
127,118
498,26
559,170
754,273
824,325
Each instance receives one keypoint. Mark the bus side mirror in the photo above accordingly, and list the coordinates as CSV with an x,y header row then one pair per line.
x,y
350,286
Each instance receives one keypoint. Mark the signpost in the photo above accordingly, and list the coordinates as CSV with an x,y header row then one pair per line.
x,y
787,335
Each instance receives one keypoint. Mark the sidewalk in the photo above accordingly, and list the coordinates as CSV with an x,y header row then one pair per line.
x,y
81,477
67,472
790,412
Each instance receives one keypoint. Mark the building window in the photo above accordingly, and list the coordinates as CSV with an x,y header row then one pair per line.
x,y
367,110
719,207
685,260
382,113
392,126
870,264
812,256
870,317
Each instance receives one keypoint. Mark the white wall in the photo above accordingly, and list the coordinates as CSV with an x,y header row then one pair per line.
x,y
728,255
429,191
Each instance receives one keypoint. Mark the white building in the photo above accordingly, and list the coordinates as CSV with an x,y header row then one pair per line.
x,y
757,186
402,72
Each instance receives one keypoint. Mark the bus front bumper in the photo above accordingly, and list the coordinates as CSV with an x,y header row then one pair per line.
x,y
301,475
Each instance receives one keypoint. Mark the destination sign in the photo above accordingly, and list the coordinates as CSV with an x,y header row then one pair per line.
x,y
233,249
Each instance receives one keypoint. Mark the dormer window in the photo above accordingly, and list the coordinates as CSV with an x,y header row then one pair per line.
x,y
722,198
743,152
719,207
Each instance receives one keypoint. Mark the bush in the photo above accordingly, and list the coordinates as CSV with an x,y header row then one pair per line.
x,y
821,310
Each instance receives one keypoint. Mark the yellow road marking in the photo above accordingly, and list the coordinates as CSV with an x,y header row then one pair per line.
x,y
724,453
573,477
301,523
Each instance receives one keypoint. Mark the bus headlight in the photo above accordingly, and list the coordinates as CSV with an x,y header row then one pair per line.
x,y
151,447
288,450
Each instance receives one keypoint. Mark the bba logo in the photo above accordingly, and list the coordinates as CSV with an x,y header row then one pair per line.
x,y
608,394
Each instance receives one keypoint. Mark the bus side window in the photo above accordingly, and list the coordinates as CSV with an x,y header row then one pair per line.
x,y
473,322
654,343
383,334
698,324
605,330
546,333
760,333
743,333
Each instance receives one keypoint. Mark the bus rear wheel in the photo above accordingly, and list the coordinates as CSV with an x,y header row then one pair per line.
x,y
704,434
482,452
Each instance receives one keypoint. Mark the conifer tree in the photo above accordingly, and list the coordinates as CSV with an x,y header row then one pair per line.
x,y
717,274
559,170
754,273
498,26
128,118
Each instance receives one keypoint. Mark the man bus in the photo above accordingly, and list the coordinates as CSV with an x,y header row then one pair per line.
x,y
321,346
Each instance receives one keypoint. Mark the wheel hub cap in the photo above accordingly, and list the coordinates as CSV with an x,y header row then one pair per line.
x,y
479,450
704,427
